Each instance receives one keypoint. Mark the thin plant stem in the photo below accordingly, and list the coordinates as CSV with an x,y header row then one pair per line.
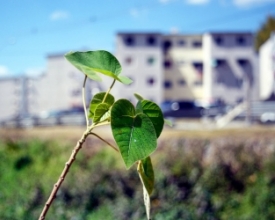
x,y
68,165
108,143
112,85
63,174
84,101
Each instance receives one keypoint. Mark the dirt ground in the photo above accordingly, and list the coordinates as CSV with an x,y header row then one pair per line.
x,y
72,134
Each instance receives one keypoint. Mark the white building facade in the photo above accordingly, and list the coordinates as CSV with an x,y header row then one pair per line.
x,y
141,58
212,66
267,69
183,67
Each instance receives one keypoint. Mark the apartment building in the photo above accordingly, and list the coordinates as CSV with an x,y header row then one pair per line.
x,y
230,67
182,67
60,87
10,90
208,67
213,66
141,58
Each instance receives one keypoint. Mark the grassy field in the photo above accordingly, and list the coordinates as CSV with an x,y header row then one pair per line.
x,y
210,174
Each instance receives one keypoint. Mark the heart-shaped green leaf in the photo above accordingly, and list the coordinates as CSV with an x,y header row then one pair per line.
x,y
101,111
153,111
98,99
146,173
134,133
92,62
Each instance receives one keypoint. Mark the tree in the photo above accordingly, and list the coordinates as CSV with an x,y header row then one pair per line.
x,y
264,32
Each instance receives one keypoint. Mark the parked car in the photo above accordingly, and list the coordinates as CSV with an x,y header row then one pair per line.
x,y
181,109
267,117
71,116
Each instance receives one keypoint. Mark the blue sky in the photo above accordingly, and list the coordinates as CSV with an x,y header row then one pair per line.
x,y
33,29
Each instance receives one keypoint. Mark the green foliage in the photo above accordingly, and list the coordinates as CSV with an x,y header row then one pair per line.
x,y
134,132
186,188
263,34
93,62
153,111
100,107
146,171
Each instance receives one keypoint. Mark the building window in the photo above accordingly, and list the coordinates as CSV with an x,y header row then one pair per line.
x,y
167,64
219,40
151,81
243,62
129,40
167,44
197,44
150,60
241,41
181,43
198,66
167,84
181,82
219,63
151,41
128,60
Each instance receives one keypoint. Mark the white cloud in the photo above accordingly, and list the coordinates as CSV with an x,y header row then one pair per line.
x,y
165,1
246,3
197,2
4,71
59,15
135,12
34,71
174,30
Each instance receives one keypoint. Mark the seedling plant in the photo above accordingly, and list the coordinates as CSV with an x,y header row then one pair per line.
x,y
135,128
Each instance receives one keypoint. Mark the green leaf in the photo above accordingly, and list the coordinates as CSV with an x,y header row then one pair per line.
x,y
125,80
146,173
92,62
91,74
98,99
134,133
153,111
138,96
100,111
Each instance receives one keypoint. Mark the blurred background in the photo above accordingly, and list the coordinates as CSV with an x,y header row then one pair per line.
x,y
209,64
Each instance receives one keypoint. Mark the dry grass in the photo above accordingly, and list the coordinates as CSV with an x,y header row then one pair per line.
x,y
72,134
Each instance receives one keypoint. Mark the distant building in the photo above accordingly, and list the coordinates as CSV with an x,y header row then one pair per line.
x,y
213,66
230,67
141,58
190,67
267,69
60,87
182,67
16,98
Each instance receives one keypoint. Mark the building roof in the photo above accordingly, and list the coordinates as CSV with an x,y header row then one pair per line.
x,y
230,33
139,33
